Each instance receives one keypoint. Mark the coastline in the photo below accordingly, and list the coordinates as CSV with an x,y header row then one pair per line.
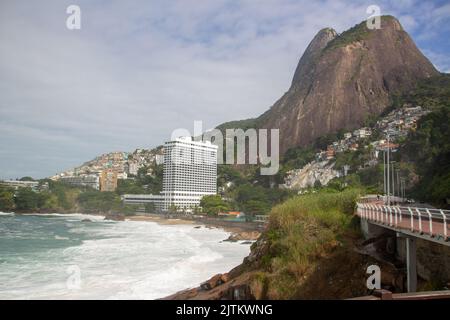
x,y
218,286
249,231
246,231
243,232
188,255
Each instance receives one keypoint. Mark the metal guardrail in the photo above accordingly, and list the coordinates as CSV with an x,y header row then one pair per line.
x,y
433,222
372,198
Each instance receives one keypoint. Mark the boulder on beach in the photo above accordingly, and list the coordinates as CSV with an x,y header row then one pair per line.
x,y
115,217
244,235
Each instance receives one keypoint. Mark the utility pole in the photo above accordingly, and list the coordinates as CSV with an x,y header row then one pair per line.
x,y
398,183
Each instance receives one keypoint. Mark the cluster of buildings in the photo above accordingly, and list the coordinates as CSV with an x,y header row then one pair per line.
x,y
350,142
142,158
190,172
104,180
103,172
396,124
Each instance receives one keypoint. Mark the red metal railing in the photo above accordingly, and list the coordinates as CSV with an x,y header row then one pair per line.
x,y
432,222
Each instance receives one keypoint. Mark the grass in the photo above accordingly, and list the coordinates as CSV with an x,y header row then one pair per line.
x,y
301,231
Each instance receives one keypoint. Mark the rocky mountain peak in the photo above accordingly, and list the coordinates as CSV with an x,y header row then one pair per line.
x,y
312,52
341,79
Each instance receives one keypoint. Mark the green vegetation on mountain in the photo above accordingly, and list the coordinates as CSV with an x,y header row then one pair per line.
x,y
148,180
129,186
428,148
245,124
357,33
297,157
424,155
151,182
431,93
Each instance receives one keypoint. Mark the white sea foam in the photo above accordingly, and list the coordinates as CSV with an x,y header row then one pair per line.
x,y
123,260
6,213
79,216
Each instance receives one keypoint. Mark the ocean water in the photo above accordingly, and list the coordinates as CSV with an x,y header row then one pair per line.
x,y
58,256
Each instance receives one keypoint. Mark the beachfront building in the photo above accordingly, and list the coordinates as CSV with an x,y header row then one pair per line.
x,y
190,172
142,199
91,181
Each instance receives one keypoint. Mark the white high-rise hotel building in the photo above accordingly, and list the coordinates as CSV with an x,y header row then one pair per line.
x,y
190,172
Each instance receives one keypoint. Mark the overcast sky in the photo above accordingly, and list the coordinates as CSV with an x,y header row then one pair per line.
x,y
137,70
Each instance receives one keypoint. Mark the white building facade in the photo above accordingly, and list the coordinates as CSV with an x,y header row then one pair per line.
x,y
190,172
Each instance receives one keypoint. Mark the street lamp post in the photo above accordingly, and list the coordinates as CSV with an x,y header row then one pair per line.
x,y
384,172
393,179
404,189
387,175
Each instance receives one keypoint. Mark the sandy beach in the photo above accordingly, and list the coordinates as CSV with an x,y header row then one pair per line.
x,y
160,219
239,230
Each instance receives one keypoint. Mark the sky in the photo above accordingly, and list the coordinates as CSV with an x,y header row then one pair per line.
x,y
137,70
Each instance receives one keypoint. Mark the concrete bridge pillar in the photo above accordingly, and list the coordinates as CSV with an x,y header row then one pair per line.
x,y
411,261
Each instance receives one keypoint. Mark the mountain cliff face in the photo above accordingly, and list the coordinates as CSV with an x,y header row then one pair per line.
x,y
342,79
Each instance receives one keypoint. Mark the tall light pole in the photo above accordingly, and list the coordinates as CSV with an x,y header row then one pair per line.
x,y
387,183
393,179
384,172
404,189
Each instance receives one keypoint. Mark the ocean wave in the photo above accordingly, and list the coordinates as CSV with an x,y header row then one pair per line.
x,y
7,213
79,216
61,238
122,260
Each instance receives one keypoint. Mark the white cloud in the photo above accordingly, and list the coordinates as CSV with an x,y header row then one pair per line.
x,y
139,69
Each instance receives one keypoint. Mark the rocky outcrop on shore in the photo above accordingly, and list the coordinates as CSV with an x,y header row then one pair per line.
x,y
115,217
340,274
244,235
218,287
